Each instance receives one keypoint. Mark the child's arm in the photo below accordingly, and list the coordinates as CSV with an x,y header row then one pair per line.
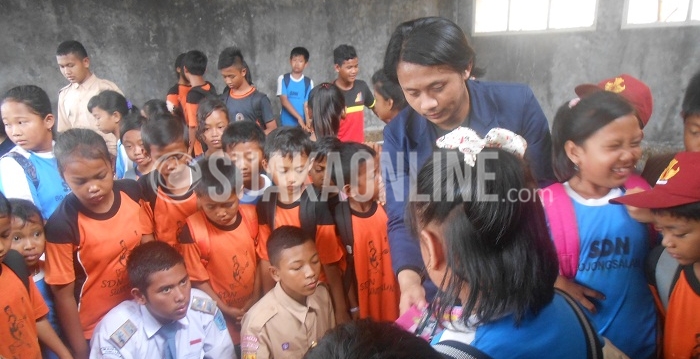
x,y
579,292
67,312
352,300
229,311
50,339
334,280
257,288
641,215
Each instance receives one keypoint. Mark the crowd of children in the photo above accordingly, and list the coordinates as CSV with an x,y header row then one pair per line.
x,y
204,225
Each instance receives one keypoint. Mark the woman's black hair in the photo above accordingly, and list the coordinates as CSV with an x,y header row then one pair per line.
x,y
389,90
497,245
206,107
34,97
80,142
327,104
577,122
430,41
111,101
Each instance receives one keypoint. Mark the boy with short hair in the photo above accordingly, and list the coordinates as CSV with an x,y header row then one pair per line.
x,y
362,224
243,142
167,317
243,100
194,65
74,63
219,242
177,95
288,153
293,316
675,208
357,94
167,190
293,90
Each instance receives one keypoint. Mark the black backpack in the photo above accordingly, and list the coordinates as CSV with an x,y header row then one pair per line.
x,y
16,263
307,211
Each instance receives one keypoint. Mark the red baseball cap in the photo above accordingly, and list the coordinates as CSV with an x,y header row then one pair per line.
x,y
679,184
630,87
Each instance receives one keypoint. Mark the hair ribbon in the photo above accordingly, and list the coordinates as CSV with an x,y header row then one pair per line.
x,y
471,144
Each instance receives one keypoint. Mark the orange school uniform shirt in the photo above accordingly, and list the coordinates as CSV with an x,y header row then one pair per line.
x,y
229,266
177,96
328,243
90,249
21,308
682,324
165,212
377,289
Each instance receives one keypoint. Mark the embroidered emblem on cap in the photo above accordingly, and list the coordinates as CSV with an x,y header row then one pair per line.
x,y
670,171
617,85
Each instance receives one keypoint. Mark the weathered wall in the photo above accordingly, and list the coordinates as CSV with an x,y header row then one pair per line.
x,y
553,64
135,42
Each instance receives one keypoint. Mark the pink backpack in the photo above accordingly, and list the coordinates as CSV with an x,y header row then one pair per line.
x,y
561,217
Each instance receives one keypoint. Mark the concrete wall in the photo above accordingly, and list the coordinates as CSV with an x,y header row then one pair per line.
x,y
553,64
135,42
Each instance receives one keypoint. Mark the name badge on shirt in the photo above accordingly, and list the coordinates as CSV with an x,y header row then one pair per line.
x,y
203,305
123,334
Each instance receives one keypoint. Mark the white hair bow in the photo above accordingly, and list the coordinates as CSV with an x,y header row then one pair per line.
x,y
470,144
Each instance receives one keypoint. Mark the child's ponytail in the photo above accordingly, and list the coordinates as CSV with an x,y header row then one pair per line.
x,y
111,102
327,105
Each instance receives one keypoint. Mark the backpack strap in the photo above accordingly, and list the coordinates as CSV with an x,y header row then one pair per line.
x,y
666,274
257,108
563,227
342,217
458,350
286,78
26,165
16,263
307,84
593,343
198,229
307,213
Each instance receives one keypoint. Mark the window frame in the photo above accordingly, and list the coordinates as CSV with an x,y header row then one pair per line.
x,y
625,26
591,28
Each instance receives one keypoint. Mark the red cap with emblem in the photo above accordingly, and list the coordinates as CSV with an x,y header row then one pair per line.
x,y
679,184
630,87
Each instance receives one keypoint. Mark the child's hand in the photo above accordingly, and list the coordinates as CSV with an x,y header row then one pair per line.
x,y
412,292
642,215
233,313
579,292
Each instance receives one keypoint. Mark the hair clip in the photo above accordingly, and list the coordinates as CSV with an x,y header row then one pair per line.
x,y
470,144
574,102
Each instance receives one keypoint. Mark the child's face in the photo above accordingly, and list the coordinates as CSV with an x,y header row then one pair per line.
x,y
288,172
134,148
91,181
234,77
25,128
222,212
382,108
74,69
318,172
5,239
106,122
247,157
681,237
691,133
28,239
607,158
367,188
170,159
348,70
298,270
298,64
214,127
168,294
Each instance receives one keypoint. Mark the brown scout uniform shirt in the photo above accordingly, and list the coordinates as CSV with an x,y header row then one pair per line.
x,y
279,327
